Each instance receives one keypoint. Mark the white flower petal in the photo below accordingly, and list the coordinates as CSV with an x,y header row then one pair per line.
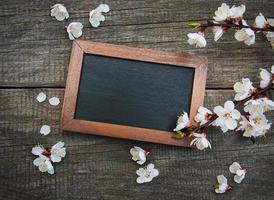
x,y
238,179
221,179
231,123
154,173
219,110
272,69
218,32
150,166
260,21
55,158
196,39
95,23
41,97
141,172
37,150
234,167
38,161
74,30
103,8
237,12
235,114
60,12
45,130
59,144
221,13
229,106
54,101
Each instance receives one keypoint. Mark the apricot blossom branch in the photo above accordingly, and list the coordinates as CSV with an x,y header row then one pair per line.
x,y
251,121
231,18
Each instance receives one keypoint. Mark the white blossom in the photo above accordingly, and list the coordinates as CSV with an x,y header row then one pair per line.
x,y
139,154
44,165
41,97
146,174
54,101
222,186
235,168
45,130
196,39
222,13
57,152
260,124
243,89
59,11
96,16
260,21
266,77
200,141
202,115
182,122
245,35
245,126
217,32
237,11
74,30
259,105
255,126
227,116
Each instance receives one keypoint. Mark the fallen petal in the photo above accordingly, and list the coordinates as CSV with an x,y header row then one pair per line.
x,y
54,101
41,97
45,130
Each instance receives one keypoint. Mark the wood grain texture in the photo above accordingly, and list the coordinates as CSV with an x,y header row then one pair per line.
x,y
101,168
35,47
35,52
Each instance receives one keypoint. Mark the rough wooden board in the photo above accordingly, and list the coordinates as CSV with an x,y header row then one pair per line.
x,y
100,168
35,48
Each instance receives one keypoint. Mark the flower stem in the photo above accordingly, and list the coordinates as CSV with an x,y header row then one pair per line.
x,y
267,28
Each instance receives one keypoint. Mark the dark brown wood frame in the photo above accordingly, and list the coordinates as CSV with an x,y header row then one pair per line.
x,y
120,131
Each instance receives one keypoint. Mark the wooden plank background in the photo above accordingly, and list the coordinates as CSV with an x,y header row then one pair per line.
x,y
34,55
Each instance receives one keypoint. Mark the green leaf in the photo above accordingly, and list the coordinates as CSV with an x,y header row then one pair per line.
x,y
179,135
195,25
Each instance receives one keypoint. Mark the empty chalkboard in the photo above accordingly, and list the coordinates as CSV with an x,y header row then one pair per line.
x,y
131,93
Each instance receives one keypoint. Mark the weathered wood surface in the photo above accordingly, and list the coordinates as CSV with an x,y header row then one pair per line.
x,y
35,47
101,168
34,53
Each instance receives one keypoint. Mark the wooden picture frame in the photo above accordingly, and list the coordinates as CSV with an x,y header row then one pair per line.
x,y
81,47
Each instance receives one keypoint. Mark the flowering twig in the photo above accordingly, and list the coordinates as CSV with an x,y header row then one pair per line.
x,y
230,18
213,117
253,121
229,24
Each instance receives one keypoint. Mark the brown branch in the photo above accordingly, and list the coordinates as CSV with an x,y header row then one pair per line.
x,y
233,25
257,92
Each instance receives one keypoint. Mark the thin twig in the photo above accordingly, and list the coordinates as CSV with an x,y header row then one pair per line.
x,y
268,27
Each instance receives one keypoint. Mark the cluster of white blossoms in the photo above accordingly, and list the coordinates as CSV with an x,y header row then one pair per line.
x,y
146,174
234,168
231,18
48,156
252,122
74,29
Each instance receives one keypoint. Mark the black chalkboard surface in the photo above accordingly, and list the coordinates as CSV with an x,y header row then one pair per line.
x,y
131,93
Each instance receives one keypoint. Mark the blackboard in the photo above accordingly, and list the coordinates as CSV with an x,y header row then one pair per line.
x,y
130,93
133,93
